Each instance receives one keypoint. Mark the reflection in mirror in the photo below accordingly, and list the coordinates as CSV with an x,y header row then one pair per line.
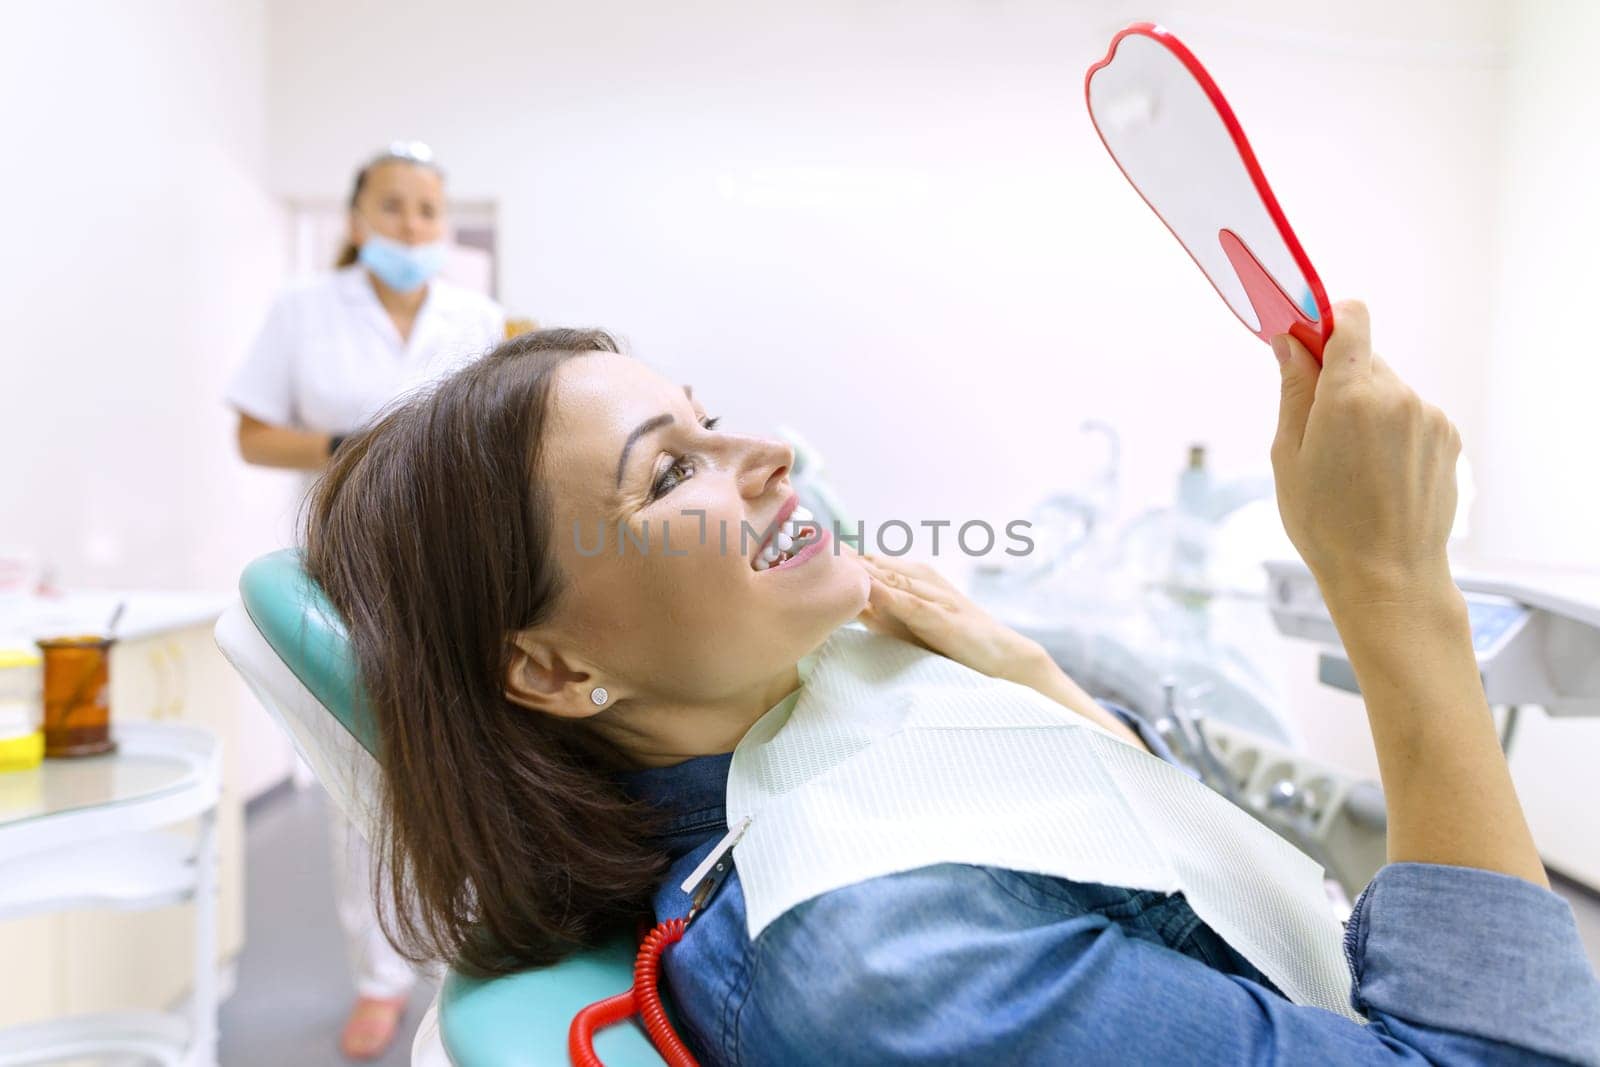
x,y
1172,142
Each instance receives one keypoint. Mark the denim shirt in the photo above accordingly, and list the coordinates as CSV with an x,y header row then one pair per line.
x,y
956,964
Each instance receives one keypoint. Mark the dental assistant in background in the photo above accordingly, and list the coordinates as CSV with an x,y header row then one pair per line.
x,y
335,350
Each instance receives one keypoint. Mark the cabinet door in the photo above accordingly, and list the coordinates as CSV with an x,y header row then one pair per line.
x,y
182,677
209,693
32,980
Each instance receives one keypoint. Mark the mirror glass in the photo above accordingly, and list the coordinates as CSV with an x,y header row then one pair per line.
x,y
1169,139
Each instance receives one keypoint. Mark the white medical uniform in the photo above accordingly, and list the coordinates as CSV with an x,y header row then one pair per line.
x,y
328,359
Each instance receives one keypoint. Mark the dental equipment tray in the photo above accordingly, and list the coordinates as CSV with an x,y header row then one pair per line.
x,y
1536,633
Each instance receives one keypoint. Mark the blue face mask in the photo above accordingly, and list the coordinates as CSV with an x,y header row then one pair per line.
x,y
401,267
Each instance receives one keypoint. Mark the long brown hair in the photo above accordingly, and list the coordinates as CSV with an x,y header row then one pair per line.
x,y
505,840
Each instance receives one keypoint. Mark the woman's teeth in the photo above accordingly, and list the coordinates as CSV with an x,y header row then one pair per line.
x,y
775,553
781,548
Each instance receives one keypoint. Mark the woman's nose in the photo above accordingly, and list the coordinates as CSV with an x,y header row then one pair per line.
x,y
766,463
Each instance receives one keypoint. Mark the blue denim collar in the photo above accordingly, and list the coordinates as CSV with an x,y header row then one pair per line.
x,y
687,793
693,793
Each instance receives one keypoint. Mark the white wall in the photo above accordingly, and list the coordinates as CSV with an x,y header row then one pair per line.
x,y
891,225
1544,375
142,249
1542,368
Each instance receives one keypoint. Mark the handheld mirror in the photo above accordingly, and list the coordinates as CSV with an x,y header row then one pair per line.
x,y
1172,133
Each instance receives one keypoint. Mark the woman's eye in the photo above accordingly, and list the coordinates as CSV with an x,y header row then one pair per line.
x,y
670,478
682,468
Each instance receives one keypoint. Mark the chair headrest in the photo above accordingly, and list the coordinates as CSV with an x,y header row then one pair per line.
x,y
297,620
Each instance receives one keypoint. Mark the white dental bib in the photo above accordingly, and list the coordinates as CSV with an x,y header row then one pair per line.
x,y
895,758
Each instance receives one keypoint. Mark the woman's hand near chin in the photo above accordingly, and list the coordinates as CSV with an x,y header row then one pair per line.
x,y
916,603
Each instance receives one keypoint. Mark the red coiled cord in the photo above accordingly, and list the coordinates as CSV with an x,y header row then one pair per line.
x,y
643,999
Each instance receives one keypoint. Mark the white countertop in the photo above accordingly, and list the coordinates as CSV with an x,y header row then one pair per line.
x,y
149,613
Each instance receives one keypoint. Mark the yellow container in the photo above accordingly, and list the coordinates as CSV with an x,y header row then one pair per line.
x,y
21,709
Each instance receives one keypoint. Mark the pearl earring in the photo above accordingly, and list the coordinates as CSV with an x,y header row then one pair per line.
x,y
599,696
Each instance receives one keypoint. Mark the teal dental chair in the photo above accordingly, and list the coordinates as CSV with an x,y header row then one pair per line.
x,y
290,646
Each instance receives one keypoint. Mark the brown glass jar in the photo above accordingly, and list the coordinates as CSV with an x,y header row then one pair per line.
x,y
77,696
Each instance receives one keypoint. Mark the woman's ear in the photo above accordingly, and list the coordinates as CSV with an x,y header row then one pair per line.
x,y
538,678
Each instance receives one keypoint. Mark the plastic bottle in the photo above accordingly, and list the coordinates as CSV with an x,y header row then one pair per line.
x,y
21,710
1191,539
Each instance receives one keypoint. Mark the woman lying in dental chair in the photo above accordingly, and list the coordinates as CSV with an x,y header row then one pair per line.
x,y
558,722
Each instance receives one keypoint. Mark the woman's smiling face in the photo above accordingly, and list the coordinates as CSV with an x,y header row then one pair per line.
x,y
658,519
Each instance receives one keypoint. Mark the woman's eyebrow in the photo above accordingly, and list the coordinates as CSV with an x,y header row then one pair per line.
x,y
655,422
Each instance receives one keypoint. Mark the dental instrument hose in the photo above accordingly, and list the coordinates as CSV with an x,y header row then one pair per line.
x,y
643,999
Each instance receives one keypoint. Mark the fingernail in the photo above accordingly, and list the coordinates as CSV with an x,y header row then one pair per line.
x,y
1280,348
